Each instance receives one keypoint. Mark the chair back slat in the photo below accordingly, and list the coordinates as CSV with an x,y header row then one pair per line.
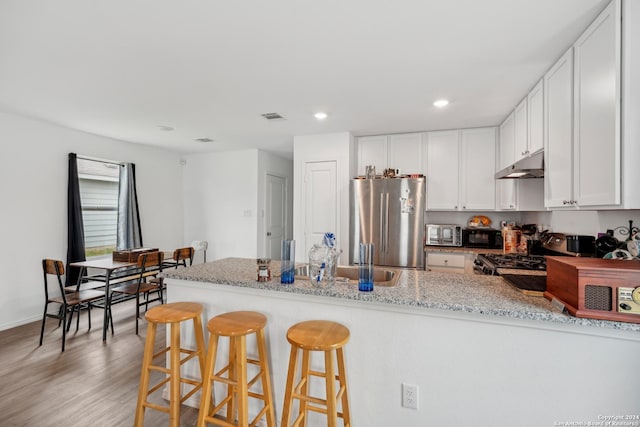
x,y
150,259
183,253
52,266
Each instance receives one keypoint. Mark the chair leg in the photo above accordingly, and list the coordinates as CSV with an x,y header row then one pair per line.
x,y
144,375
137,310
89,313
110,315
78,308
288,393
64,329
44,317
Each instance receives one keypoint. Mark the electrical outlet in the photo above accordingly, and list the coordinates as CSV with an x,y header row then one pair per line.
x,y
410,396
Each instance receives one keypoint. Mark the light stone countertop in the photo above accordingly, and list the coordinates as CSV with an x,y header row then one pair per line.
x,y
486,295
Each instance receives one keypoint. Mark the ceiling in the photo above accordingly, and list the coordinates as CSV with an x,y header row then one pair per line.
x,y
125,69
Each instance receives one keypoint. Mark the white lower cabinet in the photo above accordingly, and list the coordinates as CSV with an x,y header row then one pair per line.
x,y
450,262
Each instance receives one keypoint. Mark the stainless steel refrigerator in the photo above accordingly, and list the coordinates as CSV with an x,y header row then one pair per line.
x,y
389,212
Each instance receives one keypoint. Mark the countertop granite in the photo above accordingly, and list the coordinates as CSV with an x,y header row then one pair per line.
x,y
486,295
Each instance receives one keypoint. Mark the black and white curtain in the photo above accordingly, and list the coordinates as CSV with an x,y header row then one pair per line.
x,y
129,232
75,226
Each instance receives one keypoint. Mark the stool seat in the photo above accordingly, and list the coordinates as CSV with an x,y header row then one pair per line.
x,y
237,323
318,335
174,312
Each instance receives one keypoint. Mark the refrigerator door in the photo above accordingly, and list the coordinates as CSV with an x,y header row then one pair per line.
x,y
390,214
365,219
404,223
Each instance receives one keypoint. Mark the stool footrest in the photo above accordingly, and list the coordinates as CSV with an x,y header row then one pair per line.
x,y
157,407
157,386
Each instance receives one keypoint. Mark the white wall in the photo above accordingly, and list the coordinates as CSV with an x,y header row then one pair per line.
x,y
33,192
271,164
337,147
221,202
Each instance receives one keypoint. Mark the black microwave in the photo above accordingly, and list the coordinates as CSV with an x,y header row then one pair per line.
x,y
487,238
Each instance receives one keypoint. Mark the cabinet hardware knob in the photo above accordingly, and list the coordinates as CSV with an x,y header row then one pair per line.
x,y
268,233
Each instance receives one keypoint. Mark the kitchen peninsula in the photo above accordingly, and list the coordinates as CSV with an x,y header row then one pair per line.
x,y
480,352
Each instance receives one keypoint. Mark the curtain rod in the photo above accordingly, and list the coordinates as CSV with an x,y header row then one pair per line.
x,y
95,159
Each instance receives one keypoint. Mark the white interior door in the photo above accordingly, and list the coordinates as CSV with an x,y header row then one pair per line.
x,y
321,202
275,215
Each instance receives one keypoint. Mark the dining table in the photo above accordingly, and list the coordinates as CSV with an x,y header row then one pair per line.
x,y
108,266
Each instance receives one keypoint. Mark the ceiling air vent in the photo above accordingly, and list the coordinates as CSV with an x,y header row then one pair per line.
x,y
272,116
203,140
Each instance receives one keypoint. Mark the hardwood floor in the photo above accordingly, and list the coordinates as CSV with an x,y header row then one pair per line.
x,y
90,384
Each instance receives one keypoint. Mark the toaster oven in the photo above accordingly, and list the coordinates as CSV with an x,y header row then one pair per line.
x,y
443,235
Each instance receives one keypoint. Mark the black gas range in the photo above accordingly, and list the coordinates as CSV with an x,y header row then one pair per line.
x,y
528,273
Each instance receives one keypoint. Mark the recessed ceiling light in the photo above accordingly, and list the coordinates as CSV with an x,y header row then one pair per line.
x,y
441,103
320,115
166,128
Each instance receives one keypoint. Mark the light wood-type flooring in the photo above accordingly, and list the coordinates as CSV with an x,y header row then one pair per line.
x,y
90,384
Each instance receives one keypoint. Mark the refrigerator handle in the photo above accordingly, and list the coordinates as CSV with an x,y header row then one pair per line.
x,y
381,231
386,224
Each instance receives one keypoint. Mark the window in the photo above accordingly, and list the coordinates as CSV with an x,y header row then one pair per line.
x,y
99,198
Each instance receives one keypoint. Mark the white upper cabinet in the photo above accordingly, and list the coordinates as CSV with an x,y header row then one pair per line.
x,y
507,142
400,151
372,150
521,131
460,169
582,119
558,143
443,151
596,126
535,115
405,152
477,166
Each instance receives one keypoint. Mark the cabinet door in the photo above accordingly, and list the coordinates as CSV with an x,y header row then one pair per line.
x,y
507,141
372,150
521,141
535,113
405,152
558,151
596,115
507,190
477,166
442,170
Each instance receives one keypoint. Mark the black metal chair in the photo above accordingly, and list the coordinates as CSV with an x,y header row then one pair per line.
x,y
180,257
70,302
149,265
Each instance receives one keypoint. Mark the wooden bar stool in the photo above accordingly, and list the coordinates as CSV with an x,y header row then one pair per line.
x,y
172,314
317,335
236,326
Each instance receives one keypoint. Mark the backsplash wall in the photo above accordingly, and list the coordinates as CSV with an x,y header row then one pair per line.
x,y
584,222
570,222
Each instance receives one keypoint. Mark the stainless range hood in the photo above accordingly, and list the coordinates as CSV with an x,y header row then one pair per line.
x,y
529,167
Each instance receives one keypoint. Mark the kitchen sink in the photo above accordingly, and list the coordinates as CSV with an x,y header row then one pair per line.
x,y
382,276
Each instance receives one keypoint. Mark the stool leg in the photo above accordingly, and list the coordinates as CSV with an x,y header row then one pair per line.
x,y
231,375
330,381
266,379
288,399
241,385
200,347
304,376
207,387
144,375
342,373
174,393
